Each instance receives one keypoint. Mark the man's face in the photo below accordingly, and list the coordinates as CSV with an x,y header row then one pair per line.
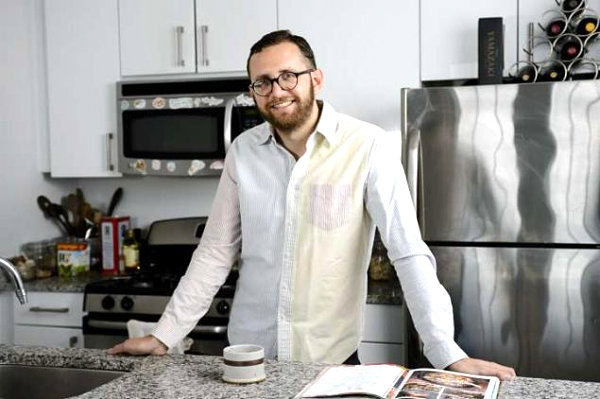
x,y
285,110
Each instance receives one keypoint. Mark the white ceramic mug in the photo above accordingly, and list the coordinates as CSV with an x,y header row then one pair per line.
x,y
243,364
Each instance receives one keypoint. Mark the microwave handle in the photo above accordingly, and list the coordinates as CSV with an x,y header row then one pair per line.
x,y
109,162
227,125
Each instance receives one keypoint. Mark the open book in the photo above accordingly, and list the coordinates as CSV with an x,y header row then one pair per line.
x,y
388,381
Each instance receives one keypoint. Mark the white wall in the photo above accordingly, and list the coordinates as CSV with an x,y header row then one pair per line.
x,y
23,118
20,218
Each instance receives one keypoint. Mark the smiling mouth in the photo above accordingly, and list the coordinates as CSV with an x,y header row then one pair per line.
x,y
282,104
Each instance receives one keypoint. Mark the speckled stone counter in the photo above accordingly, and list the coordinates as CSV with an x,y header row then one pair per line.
x,y
54,284
186,376
385,292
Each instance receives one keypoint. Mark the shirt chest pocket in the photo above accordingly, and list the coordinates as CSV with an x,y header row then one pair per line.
x,y
330,205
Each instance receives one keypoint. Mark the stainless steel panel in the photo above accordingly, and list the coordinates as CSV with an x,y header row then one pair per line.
x,y
537,310
509,163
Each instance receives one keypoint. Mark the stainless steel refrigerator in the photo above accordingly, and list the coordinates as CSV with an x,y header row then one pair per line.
x,y
506,181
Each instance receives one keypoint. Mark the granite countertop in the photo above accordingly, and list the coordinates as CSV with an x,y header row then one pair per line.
x,y
189,376
379,292
54,284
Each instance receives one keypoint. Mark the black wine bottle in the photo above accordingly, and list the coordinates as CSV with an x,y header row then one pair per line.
x,y
586,25
555,27
568,6
527,74
552,71
568,47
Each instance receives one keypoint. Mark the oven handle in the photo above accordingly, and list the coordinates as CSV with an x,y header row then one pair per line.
x,y
122,325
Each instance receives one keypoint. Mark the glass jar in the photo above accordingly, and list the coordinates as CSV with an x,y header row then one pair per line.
x,y
43,253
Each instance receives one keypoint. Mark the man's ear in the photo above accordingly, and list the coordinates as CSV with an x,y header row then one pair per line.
x,y
317,80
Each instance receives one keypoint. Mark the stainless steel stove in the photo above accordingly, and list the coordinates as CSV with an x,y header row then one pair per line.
x,y
112,302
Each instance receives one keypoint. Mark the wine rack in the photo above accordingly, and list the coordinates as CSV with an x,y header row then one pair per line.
x,y
563,45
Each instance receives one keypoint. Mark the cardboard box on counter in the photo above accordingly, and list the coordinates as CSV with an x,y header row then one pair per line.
x,y
112,233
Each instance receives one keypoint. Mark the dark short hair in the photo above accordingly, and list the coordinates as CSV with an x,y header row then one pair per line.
x,y
281,36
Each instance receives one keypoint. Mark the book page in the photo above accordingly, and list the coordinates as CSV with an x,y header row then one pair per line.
x,y
441,384
375,380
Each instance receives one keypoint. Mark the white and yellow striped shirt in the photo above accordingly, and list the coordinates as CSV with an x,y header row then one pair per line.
x,y
304,231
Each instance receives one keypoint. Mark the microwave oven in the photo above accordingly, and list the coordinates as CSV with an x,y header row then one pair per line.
x,y
180,128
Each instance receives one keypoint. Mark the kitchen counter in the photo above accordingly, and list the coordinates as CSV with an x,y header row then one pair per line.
x,y
379,292
54,284
187,376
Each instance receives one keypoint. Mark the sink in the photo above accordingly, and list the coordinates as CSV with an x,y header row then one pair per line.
x,y
33,382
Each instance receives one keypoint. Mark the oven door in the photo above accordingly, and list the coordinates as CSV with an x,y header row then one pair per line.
x,y
104,331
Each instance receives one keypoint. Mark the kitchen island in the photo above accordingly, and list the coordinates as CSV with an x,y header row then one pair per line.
x,y
187,376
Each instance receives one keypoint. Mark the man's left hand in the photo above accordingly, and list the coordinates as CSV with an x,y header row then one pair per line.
x,y
482,367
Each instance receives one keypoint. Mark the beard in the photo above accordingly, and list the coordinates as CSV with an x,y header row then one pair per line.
x,y
290,122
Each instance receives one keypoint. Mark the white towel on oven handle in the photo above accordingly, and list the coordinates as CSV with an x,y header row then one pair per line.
x,y
136,329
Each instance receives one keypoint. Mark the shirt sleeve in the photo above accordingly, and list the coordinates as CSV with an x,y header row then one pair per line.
x,y
210,264
389,204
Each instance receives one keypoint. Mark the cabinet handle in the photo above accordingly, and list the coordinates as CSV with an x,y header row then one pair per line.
x,y
109,162
180,60
204,34
39,309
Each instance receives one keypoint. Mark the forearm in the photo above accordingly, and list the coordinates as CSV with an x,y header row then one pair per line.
x,y
431,310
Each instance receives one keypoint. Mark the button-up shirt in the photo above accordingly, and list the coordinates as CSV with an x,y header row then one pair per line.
x,y
302,231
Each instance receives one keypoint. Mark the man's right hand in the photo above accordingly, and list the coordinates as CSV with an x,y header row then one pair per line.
x,y
148,345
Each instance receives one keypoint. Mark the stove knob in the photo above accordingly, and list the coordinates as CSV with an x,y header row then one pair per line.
x,y
108,302
127,303
223,307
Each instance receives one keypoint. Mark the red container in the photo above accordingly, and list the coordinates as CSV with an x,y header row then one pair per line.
x,y
112,233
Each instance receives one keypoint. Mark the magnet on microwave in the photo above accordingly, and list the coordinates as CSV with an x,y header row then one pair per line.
x,y
244,100
217,165
124,104
159,102
181,102
139,103
211,101
140,166
155,164
195,166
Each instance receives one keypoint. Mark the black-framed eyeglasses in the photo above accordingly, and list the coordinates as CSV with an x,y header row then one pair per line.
x,y
287,80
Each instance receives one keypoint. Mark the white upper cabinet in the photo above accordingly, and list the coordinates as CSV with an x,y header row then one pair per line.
x,y
367,51
157,37
161,37
449,36
82,52
227,29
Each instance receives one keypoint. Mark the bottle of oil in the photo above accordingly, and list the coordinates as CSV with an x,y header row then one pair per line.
x,y
131,252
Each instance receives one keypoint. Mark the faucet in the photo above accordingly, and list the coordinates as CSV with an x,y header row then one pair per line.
x,y
16,278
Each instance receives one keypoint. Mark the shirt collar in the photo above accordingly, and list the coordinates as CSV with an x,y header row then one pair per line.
x,y
327,125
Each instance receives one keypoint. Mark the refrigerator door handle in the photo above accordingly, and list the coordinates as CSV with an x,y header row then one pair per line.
x,y
413,141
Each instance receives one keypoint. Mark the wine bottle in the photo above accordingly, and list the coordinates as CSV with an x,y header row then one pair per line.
x,y
552,71
527,74
569,6
584,22
568,47
555,27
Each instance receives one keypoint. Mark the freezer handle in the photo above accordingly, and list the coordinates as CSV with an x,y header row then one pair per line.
x,y
413,140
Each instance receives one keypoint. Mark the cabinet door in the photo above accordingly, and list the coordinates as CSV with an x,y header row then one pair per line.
x,y
82,40
48,336
64,309
449,36
373,352
227,29
367,51
157,37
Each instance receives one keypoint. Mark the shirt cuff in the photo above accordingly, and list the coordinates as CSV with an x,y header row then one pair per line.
x,y
166,335
444,354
